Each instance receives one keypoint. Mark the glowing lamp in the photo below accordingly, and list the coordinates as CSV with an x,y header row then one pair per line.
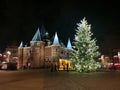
x,y
0,55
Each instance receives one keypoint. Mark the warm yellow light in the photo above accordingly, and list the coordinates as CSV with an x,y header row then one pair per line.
x,y
8,58
63,63
0,55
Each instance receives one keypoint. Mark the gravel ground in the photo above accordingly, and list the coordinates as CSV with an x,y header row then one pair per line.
x,y
42,79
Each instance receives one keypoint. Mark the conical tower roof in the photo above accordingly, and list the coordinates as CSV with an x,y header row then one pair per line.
x,y
69,46
37,36
21,44
56,40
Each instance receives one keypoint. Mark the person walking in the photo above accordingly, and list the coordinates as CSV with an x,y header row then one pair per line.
x,y
57,66
51,67
67,67
29,65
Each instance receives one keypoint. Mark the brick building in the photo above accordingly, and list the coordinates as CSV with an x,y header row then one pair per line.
x,y
42,51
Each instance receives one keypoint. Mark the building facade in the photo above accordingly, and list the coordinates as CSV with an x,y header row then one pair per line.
x,y
42,52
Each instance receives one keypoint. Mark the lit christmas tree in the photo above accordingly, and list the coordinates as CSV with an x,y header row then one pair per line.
x,y
85,50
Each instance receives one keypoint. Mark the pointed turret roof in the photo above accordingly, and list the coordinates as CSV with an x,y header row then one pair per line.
x,y
56,40
37,36
21,44
69,46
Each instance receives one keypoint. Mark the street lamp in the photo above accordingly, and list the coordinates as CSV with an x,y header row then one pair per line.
x,y
8,53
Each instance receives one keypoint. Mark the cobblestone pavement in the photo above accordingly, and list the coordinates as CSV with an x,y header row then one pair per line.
x,y
42,79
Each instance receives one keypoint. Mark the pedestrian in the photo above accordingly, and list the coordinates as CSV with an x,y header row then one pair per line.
x,y
29,65
67,67
58,67
24,67
63,66
51,67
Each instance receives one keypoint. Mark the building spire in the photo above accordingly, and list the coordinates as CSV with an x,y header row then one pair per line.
x,y
21,44
69,46
37,36
56,40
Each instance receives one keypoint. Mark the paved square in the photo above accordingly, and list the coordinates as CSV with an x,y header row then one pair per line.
x,y
42,79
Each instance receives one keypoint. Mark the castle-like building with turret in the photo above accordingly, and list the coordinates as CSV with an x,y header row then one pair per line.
x,y
43,51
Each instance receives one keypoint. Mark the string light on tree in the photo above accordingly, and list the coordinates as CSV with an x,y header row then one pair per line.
x,y
85,50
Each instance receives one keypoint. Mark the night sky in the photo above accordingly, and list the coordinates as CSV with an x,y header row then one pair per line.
x,y
19,19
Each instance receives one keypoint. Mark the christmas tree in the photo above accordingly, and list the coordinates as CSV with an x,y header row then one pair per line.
x,y
85,50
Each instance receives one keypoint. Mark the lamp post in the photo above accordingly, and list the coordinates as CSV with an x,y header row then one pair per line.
x,y
8,53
